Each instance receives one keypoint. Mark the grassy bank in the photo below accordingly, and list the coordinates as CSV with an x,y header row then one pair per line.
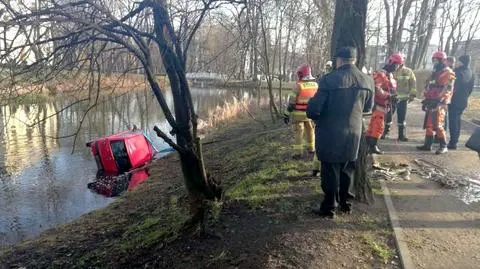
x,y
264,220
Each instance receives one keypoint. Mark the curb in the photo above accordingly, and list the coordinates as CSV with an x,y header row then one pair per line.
x,y
403,251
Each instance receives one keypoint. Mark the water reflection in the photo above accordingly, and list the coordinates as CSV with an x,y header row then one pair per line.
x,y
111,186
41,183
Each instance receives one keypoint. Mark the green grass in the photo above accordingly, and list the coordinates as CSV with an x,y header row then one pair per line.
x,y
376,187
379,249
259,186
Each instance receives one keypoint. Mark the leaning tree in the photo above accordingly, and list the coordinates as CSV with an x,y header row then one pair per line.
x,y
75,35
349,30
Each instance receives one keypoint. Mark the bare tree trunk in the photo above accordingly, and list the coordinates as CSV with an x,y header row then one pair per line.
x,y
199,186
274,109
349,30
425,30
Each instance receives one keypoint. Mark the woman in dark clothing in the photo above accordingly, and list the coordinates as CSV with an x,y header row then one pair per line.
x,y
462,89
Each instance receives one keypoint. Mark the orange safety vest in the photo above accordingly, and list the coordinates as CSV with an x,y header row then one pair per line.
x,y
437,84
306,90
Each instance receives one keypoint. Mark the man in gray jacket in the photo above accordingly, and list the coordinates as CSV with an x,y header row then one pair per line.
x,y
337,108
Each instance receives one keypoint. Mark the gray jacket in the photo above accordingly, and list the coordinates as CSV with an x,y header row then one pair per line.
x,y
337,108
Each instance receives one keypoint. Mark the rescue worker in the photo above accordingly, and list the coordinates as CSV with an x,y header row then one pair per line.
x,y
337,109
438,93
463,88
305,88
385,94
407,91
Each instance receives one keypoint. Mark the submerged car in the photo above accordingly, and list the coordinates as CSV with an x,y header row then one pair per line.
x,y
121,160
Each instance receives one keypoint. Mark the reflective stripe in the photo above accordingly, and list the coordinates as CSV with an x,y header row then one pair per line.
x,y
307,90
298,147
298,113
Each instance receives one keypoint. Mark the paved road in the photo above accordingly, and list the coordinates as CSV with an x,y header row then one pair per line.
x,y
441,226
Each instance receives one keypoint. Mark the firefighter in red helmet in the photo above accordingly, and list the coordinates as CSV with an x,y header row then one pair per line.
x,y
305,88
406,92
385,93
438,94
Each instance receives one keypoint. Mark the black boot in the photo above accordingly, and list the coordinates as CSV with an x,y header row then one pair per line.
x,y
372,145
386,131
401,133
452,146
323,213
428,143
443,146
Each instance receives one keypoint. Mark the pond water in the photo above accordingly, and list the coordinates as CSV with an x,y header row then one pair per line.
x,y
42,184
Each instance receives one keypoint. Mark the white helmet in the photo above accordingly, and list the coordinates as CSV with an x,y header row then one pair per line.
x,y
329,63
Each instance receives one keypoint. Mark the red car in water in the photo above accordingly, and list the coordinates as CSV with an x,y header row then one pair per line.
x,y
121,152
119,157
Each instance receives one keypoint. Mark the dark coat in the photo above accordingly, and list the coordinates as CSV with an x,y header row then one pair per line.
x,y
463,86
337,108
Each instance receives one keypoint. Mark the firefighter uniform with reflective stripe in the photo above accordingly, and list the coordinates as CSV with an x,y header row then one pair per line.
x,y
385,86
438,94
406,83
407,91
303,127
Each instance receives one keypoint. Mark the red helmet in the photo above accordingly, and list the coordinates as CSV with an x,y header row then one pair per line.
x,y
439,55
304,70
396,58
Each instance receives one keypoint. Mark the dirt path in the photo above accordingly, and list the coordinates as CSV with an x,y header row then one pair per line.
x,y
441,226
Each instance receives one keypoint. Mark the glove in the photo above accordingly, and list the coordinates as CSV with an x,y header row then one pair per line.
x,y
286,118
394,98
424,105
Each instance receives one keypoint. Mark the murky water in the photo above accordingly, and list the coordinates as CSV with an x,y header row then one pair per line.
x,y
42,184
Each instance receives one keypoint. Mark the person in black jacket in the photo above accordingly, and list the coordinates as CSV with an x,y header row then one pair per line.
x,y
461,91
337,108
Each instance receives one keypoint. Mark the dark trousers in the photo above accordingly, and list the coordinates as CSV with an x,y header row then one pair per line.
x,y
337,181
401,109
455,122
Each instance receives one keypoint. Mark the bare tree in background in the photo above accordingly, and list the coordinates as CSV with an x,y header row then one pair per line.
x,y
474,11
425,25
268,54
396,14
454,15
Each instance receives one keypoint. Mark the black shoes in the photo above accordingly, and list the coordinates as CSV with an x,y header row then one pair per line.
x,y
452,146
347,210
323,213
427,146
401,134
372,146
386,131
